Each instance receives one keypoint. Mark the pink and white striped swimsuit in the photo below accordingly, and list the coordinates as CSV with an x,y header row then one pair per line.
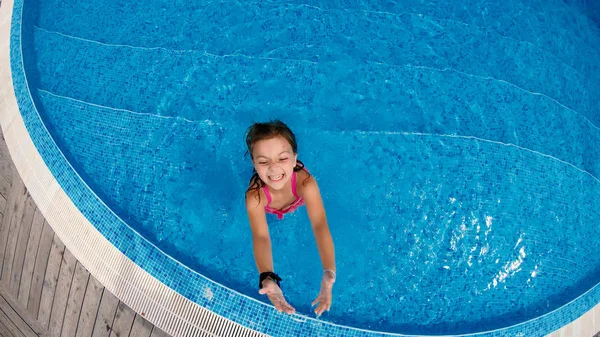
x,y
280,213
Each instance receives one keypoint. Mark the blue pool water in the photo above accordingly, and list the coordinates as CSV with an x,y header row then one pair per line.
x,y
456,144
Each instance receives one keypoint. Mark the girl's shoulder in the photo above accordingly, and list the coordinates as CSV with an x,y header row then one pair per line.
x,y
256,198
302,176
304,181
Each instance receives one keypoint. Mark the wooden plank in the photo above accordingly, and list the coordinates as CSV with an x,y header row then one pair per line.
x,y
123,321
4,331
2,207
75,301
5,186
156,332
10,326
89,310
45,275
4,150
141,327
33,243
21,311
13,223
61,295
16,319
6,170
21,242
106,314
11,201
8,173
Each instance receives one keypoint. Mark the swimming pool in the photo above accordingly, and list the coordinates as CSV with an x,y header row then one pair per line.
x,y
473,144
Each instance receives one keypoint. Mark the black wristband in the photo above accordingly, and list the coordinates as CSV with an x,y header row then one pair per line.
x,y
272,275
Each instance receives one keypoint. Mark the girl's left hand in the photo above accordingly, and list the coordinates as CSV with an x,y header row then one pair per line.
x,y
324,298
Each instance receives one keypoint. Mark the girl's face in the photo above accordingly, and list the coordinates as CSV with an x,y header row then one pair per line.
x,y
274,161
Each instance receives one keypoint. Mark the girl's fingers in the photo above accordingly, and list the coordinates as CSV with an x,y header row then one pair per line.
x,y
285,306
323,306
320,310
281,307
278,301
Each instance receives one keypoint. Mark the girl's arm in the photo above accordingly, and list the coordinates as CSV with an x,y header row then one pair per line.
x,y
262,252
260,232
316,213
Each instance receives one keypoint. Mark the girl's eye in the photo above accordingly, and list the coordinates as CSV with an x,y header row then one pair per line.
x,y
283,159
262,163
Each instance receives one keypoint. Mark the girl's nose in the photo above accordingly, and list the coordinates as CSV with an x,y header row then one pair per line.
x,y
273,166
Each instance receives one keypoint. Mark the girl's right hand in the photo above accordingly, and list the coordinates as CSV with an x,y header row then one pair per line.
x,y
274,293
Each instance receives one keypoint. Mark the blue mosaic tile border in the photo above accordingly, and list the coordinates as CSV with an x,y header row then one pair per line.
x,y
225,302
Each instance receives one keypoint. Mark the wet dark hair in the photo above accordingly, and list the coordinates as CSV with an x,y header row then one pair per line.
x,y
261,131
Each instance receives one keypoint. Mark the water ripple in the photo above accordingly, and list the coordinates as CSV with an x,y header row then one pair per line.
x,y
425,17
208,122
206,53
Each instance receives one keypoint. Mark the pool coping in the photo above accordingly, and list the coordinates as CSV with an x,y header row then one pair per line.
x,y
158,302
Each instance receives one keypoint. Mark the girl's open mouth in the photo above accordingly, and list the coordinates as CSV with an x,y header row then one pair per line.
x,y
277,177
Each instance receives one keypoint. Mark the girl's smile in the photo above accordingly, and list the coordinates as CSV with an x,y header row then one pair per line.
x,y
277,177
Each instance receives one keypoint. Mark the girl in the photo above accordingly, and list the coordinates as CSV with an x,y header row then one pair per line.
x,y
280,185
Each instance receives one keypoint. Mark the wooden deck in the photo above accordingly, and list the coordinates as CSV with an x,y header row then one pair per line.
x,y
44,290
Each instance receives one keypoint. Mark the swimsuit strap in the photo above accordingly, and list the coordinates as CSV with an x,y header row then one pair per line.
x,y
294,185
266,189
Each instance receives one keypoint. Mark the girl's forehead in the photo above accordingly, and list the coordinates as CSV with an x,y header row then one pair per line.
x,y
268,146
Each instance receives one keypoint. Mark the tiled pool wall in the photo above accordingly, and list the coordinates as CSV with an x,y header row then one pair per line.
x,y
182,303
